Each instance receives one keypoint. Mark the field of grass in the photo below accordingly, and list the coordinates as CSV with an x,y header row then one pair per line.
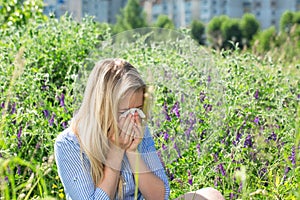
x,y
228,119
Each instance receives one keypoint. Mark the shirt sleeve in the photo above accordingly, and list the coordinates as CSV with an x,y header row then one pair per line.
x,y
150,156
74,171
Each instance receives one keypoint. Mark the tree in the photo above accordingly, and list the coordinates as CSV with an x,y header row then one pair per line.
x,y
163,21
197,31
213,30
132,16
286,21
249,26
231,32
20,12
265,38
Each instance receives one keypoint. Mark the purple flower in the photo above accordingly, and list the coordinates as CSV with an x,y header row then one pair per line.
x,y
19,170
298,96
13,109
262,172
248,141
217,180
240,187
256,120
182,98
286,171
208,79
166,112
51,120
166,136
293,156
62,100
207,107
221,169
46,113
237,138
64,124
202,96
37,146
175,109
198,149
164,147
19,137
188,132
273,136
256,94
3,105
177,149
190,178
215,157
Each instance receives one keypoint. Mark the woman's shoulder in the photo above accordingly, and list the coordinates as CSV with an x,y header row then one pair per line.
x,y
67,138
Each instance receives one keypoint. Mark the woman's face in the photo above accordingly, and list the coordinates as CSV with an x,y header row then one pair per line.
x,y
131,100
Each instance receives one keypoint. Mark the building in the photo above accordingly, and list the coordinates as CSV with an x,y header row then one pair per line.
x,y
182,12
102,10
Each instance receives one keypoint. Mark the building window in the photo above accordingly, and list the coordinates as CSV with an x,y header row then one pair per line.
x,y
273,4
257,13
273,22
258,4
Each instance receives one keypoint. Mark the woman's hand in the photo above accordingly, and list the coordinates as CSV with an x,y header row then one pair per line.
x,y
138,133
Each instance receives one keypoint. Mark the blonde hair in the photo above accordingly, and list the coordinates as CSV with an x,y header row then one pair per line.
x,y
109,81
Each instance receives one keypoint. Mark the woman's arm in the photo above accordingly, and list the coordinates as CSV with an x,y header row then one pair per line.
x,y
150,185
112,171
148,169
73,171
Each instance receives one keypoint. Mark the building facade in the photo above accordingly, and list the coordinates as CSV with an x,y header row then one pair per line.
x,y
102,10
182,12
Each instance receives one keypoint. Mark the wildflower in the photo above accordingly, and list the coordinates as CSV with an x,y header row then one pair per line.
x,y
190,179
215,157
177,149
298,96
222,170
207,107
51,120
19,170
166,136
273,136
286,170
164,147
256,120
262,172
240,187
37,146
248,141
3,105
293,156
19,137
62,100
216,181
202,96
175,109
46,113
256,94
198,149
208,79
165,111
64,124
13,109
237,138
182,98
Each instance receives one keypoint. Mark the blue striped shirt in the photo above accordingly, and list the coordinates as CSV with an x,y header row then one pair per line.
x,y
77,180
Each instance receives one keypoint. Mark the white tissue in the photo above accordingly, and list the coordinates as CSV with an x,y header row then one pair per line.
x,y
132,111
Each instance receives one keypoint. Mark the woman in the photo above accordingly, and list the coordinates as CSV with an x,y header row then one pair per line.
x,y
107,155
